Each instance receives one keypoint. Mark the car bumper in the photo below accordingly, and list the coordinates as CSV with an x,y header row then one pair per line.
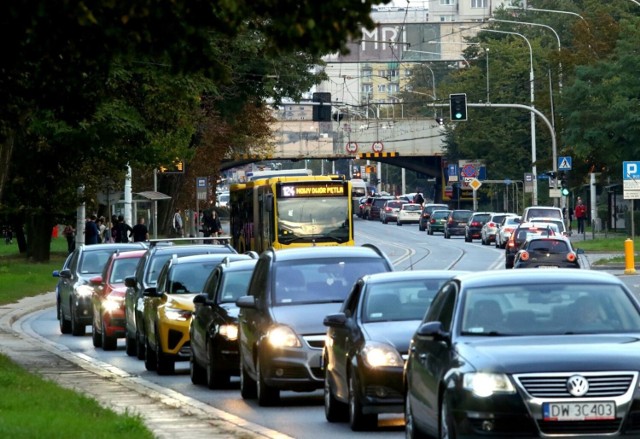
x,y
455,230
175,339
381,389
227,356
292,368
84,310
114,323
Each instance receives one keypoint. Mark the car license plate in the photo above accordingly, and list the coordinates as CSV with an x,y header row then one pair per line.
x,y
579,411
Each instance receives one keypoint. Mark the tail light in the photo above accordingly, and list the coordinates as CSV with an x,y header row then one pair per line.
x,y
508,229
571,257
524,255
450,221
491,224
432,221
475,224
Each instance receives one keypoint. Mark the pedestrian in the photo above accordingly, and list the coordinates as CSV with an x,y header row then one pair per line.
x,y
418,198
108,230
91,231
101,229
140,231
123,230
580,213
70,234
177,223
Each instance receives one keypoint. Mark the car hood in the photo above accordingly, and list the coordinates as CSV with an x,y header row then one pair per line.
x,y
118,290
524,354
181,301
397,334
230,310
307,318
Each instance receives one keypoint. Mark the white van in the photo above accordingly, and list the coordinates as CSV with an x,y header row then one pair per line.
x,y
541,212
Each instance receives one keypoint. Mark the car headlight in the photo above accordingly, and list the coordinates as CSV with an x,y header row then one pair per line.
x,y
178,314
381,355
486,384
230,332
283,337
84,291
112,304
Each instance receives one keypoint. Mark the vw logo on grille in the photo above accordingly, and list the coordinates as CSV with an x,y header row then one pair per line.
x,y
577,385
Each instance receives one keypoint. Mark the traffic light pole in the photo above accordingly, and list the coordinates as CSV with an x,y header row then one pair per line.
x,y
554,146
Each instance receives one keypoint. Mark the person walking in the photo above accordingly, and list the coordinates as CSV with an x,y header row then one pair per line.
x,y
140,232
91,231
580,213
123,230
177,224
70,234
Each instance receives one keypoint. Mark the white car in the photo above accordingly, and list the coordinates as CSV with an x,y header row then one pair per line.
x,y
222,199
506,228
409,213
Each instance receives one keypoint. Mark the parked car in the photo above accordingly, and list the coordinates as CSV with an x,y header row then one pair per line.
x,y
526,353
168,308
74,289
373,213
547,252
474,226
437,221
409,213
389,211
490,228
281,331
107,299
214,326
456,222
146,276
506,227
521,234
370,335
427,209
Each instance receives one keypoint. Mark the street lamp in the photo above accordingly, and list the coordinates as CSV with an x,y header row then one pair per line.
x,y
533,117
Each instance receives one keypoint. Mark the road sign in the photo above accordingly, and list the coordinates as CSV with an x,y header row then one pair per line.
x,y
377,147
352,147
564,163
468,171
475,184
554,193
631,180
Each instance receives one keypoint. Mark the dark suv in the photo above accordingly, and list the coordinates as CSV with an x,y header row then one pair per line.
x,y
427,210
473,228
456,222
281,331
74,289
372,211
146,276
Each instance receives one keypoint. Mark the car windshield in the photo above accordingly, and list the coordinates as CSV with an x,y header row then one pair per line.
x,y
481,218
189,278
93,262
461,216
235,285
548,310
399,300
320,280
550,246
440,214
123,268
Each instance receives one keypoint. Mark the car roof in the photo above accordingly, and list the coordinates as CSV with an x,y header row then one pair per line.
x,y
409,275
324,252
549,238
207,257
128,254
210,248
557,276
237,264
114,246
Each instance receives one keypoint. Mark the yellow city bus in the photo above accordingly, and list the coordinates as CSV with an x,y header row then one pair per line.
x,y
287,212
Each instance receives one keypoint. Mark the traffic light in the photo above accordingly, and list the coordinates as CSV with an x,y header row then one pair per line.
x,y
458,106
563,184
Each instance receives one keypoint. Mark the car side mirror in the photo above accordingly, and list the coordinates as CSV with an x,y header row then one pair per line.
x,y
579,251
150,292
96,280
130,281
433,330
337,320
65,274
201,299
247,302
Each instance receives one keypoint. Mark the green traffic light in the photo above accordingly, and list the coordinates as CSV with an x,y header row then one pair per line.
x,y
564,191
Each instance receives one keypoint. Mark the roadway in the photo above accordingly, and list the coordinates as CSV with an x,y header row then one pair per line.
x,y
299,415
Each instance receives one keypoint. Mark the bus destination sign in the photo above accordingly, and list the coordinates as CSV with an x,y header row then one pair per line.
x,y
312,190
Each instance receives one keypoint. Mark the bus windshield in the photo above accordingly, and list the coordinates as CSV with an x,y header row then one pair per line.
x,y
317,219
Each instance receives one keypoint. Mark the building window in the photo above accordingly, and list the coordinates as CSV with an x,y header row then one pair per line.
x,y
367,88
393,74
382,88
446,2
393,88
478,3
447,18
407,72
367,73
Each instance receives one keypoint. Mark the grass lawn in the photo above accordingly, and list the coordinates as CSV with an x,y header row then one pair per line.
x,y
31,407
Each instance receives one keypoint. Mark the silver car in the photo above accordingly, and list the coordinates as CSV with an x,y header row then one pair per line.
x,y
506,228
490,228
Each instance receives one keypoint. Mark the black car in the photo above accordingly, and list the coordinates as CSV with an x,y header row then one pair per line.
x,y
369,340
521,233
427,210
74,289
526,353
474,226
280,321
547,252
146,276
214,326
373,213
456,222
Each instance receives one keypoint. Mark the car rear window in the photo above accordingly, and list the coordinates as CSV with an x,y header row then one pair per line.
x,y
461,216
548,246
482,218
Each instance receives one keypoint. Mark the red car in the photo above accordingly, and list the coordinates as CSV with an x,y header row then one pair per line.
x,y
107,298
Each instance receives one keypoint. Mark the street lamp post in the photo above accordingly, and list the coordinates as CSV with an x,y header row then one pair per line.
x,y
534,202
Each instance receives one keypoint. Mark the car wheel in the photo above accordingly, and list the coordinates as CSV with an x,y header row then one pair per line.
x,y
447,430
95,337
446,235
411,430
420,227
149,356
266,394
215,379
247,384
141,346
65,325
130,344
483,241
357,419
164,364
467,238
109,343
334,410
385,221
196,372
76,327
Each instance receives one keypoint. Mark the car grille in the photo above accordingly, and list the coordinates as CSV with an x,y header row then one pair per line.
x,y
314,341
580,427
555,385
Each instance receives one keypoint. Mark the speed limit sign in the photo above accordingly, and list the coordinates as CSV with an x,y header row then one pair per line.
x,y
352,147
377,146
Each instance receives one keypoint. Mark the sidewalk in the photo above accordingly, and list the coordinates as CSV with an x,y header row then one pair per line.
x,y
163,410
